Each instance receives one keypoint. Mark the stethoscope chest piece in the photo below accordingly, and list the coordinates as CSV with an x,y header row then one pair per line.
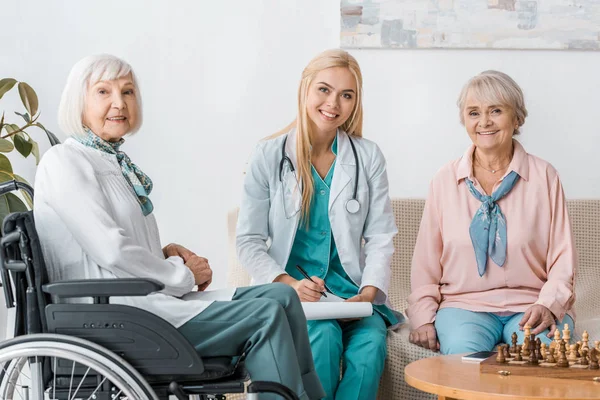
x,y
352,206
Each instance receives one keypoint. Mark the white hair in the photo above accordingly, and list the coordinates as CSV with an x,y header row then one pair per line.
x,y
87,72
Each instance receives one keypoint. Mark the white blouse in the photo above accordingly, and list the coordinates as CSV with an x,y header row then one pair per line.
x,y
91,226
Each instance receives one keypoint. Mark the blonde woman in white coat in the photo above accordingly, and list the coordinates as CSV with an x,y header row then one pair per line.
x,y
312,194
94,218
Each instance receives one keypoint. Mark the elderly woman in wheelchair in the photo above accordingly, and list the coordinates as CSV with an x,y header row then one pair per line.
x,y
148,334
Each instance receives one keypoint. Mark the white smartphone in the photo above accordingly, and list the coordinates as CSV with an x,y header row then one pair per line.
x,y
479,356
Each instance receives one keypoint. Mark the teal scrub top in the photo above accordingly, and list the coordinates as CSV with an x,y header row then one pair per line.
x,y
314,247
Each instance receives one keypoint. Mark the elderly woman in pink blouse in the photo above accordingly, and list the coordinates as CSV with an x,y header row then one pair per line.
x,y
495,251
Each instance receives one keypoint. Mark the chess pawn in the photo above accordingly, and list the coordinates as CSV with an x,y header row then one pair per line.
x,y
525,347
578,349
550,358
518,356
557,340
584,357
533,358
573,353
527,331
538,349
562,356
585,338
597,344
544,351
506,352
500,357
513,338
594,358
567,334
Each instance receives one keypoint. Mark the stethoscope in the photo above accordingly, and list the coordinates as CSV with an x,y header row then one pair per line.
x,y
352,205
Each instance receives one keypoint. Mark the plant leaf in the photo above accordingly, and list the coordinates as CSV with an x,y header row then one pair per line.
x,y
24,116
6,84
5,177
11,128
22,145
51,136
6,146
9,203
26,196
29,98
5,165
35,150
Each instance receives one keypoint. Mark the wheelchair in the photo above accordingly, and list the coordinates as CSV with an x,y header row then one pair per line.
x,y
97,350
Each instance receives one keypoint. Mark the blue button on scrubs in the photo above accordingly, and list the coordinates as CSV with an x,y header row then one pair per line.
x,y
333,341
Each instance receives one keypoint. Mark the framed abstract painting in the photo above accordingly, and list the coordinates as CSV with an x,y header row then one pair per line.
x,y
471,24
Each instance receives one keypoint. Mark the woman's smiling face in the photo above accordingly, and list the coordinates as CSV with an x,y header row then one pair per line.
x,y
490,126
331,98
111,108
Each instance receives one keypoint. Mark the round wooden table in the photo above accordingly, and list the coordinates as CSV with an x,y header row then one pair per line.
x,y
450,378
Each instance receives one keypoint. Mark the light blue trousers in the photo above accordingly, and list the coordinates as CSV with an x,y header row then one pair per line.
x,y
360,346
266,322
463,331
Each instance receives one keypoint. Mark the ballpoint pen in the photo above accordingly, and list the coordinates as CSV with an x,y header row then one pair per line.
x,y
304,274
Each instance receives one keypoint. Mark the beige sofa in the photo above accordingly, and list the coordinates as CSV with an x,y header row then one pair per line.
x,y
585,215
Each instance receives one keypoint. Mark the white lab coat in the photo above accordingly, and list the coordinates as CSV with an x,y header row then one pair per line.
x,y
91,226
265,234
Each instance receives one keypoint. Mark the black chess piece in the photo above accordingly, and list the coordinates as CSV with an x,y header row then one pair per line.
x,y
584,357
562,356
506,351
538,349
500,356
513,338
518,356
594,358
533,353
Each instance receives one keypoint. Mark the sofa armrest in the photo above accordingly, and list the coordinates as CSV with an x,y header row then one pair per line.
x,y
103,288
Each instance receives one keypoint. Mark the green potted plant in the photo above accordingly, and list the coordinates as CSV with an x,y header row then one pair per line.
x,y
16,137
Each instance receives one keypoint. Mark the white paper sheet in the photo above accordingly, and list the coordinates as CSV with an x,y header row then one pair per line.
x,y
333,307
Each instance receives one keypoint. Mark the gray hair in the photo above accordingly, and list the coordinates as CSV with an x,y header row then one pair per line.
x,y
86,72
495,87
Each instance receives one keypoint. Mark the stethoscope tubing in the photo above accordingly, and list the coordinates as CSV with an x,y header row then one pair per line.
x,y
285,158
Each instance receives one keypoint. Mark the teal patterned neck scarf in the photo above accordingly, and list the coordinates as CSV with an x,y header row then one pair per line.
x,y
139,181
488,228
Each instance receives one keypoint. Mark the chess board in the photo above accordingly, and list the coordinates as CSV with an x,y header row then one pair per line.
x,y
543,369
532,358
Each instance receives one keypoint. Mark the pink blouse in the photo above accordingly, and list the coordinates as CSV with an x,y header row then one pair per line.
x,y
540,257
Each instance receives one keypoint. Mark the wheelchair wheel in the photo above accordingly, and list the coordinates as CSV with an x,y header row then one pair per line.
x,y
48,366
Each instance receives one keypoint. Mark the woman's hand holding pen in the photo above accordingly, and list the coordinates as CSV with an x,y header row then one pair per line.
x,y
307,291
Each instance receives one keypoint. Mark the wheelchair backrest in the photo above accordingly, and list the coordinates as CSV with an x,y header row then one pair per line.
x,y
23,272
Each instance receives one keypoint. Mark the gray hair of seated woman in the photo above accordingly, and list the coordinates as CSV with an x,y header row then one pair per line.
x,y
88,71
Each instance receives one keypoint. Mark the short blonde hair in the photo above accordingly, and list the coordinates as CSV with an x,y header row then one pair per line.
x,y
495,87
86,72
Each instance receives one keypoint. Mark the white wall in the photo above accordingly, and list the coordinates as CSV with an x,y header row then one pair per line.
x,y
217,76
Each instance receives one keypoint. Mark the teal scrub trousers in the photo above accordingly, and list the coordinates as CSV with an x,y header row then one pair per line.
x,y
268,324
361,348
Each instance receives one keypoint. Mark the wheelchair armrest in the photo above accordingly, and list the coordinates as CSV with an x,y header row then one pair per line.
x,y
103,288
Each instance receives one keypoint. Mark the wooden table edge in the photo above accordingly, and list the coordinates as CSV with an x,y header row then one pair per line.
x,y
447,393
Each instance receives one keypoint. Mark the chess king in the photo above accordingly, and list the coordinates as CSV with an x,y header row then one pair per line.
x,y
495,250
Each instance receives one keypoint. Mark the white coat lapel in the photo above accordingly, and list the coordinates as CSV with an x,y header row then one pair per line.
x,y
345,166
291,185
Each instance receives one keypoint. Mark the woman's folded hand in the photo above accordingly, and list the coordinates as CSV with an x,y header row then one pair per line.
x,y
425,336
198,265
